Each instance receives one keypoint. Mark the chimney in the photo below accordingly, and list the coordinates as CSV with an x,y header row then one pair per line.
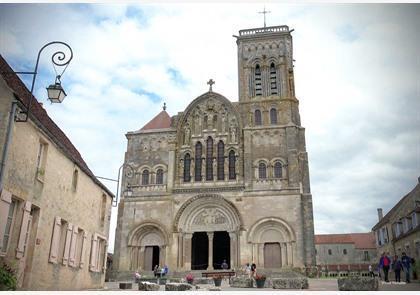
x,y
380,214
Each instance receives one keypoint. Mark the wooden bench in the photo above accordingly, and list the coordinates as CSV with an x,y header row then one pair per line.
x,y
218,273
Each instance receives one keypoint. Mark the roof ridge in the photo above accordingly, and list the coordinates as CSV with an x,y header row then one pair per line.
x,y
44,121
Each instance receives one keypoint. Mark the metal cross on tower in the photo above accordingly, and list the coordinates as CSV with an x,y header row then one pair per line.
x,y
264,12
211,82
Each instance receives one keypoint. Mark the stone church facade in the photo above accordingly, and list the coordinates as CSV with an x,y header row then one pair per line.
x,y
222,180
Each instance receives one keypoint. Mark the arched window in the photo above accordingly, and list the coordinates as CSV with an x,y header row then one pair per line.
x,y
273,79
187,167
277,170
273,116
220,161
262,171
198,155
258,87
209,159
257,118
232,160
145,177
159,176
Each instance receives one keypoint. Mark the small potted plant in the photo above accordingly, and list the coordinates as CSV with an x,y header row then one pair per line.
x,y
260,280
189,278
217,280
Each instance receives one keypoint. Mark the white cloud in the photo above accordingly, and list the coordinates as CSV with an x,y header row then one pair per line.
x,y
356,77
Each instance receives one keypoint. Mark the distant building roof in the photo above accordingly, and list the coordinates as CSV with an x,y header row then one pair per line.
x,y
39,115
385,219
161,121
361,240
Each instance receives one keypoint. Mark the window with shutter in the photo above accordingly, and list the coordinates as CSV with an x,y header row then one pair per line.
x,y
24,230
69,234
8,208
73,246
83,250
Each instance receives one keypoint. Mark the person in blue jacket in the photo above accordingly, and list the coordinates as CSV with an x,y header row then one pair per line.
x,y
406,261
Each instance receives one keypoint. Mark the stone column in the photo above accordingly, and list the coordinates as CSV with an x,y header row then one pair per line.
x,y
233,247
283,254
187,251
162,254
210,236
140,263
260,262
289,253
180,260
134,255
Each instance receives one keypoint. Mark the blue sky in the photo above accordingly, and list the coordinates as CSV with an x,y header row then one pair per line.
x,y
357,79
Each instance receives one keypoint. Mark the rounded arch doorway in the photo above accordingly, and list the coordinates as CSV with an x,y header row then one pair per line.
x,y
147,246
208,227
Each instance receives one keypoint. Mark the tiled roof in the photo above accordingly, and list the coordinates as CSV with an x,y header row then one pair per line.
x,y
361,240
41,118
161,121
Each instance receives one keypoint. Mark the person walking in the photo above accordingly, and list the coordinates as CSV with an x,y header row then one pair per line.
x,y
396,266
406,261
384,263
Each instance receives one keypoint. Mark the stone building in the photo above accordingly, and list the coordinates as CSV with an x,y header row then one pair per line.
x,y
222,180
54,213
399,230
345,252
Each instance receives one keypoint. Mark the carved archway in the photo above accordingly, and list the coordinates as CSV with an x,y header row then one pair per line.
x,y
273,242
207,213
147,244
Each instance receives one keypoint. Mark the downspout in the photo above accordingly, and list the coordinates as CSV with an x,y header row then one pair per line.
x,y
7,143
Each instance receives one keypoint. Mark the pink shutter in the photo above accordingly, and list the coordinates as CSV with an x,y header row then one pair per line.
x,y
55,240
82,254
105,255
5,201
23,229
67,244
93,253
73,246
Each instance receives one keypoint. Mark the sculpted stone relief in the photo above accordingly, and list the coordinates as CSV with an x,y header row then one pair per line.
x,y
210,216
210,115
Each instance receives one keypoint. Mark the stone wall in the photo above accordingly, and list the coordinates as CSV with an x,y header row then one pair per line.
x,y
45,195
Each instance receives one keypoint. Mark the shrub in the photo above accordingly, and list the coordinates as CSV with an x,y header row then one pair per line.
x,y
8,279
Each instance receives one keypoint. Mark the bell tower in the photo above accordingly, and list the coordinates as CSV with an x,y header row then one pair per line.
x,y
265,63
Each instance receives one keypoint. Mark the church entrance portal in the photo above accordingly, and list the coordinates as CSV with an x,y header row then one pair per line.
x,y
151,257
200,255
221,249
199,251
272,255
